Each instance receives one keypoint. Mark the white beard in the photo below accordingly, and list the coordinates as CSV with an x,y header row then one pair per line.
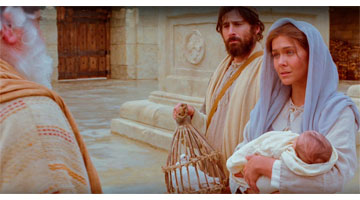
x,y
36,64
32,61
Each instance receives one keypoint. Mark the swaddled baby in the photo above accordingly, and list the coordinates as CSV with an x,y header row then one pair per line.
x,y
307,154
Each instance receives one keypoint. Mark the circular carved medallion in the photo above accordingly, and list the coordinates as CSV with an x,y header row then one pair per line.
x,y
194,47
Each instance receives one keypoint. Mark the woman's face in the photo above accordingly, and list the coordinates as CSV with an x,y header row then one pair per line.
x,y
290,61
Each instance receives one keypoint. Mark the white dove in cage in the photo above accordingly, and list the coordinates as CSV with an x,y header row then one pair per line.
x,y
194,182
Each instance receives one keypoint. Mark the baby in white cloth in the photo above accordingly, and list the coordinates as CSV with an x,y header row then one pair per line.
x,y
307,154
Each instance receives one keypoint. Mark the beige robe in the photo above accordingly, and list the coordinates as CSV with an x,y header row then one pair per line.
x,y
43,125
39,152
233,109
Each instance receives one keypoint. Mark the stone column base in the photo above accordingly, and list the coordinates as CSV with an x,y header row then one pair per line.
x,y
151,121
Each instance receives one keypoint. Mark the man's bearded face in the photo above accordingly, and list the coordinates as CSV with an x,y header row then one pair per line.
x,y
28,54
243,46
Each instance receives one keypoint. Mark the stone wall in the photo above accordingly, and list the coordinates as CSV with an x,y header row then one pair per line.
x,y
134,43
147,43
122,43
49,32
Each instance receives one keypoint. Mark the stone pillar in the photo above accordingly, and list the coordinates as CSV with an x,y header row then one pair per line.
x,y
354,185
123,43
147,45
190,49
49,31
134,43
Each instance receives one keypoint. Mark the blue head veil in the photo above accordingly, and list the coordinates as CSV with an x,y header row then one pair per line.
x,y
323,104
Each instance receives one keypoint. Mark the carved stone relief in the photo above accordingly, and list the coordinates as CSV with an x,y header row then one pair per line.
x,y
194,48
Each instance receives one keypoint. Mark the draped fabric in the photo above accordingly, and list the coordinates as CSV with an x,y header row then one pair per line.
x,y
243,98
14,86
323,104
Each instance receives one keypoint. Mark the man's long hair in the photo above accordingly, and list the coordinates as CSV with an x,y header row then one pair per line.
x,y
248,13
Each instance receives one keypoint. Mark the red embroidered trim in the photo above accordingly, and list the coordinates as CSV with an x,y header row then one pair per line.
x,y
11,109
55,131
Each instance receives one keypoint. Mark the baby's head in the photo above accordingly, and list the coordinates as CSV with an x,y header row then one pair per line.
x,y
312,147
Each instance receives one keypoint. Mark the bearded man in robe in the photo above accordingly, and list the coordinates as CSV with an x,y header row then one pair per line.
x,y
233,89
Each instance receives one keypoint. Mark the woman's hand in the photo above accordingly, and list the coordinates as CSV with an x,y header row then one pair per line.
x,y
257,166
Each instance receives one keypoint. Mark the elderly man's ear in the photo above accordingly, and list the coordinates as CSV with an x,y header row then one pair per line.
x,y
8,35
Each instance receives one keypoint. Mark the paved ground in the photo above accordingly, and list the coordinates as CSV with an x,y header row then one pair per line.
x,y
124,165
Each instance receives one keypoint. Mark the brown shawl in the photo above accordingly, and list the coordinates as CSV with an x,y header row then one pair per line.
x,y
13,86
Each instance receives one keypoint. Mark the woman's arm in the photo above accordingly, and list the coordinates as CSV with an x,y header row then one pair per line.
x,y
233,184
257,166
342,136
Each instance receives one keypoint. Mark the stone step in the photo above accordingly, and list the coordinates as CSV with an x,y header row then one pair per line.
x,y
149,113
155,137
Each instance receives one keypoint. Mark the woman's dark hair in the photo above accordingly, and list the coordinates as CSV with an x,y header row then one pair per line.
x,y
249,14
288,30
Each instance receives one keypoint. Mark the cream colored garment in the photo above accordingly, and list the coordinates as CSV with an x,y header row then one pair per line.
x,y
341,137
13,86
275,144
234,108
38,150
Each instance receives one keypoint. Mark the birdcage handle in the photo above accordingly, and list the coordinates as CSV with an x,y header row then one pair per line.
x,y
182,117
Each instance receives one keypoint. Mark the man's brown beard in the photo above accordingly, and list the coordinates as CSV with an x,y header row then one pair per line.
x,y
244,46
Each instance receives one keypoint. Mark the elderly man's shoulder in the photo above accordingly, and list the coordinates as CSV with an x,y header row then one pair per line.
x,y
33,111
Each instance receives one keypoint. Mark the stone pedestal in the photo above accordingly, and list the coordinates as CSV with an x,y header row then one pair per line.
x,y
189,51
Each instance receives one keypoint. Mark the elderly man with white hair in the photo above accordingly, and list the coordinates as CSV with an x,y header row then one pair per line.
x,y
41,149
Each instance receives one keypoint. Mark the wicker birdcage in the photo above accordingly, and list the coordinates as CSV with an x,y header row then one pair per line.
x,y
193,166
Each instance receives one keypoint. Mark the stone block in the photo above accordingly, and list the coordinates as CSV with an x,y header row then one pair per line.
x,y
131,55
189,86
118,54
147,55
117,23
130,17
119,72
147,35
49,13
138,131
150,113
131,72
171,99
117,35
50,34
130,34
118,13
148,16
145,72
